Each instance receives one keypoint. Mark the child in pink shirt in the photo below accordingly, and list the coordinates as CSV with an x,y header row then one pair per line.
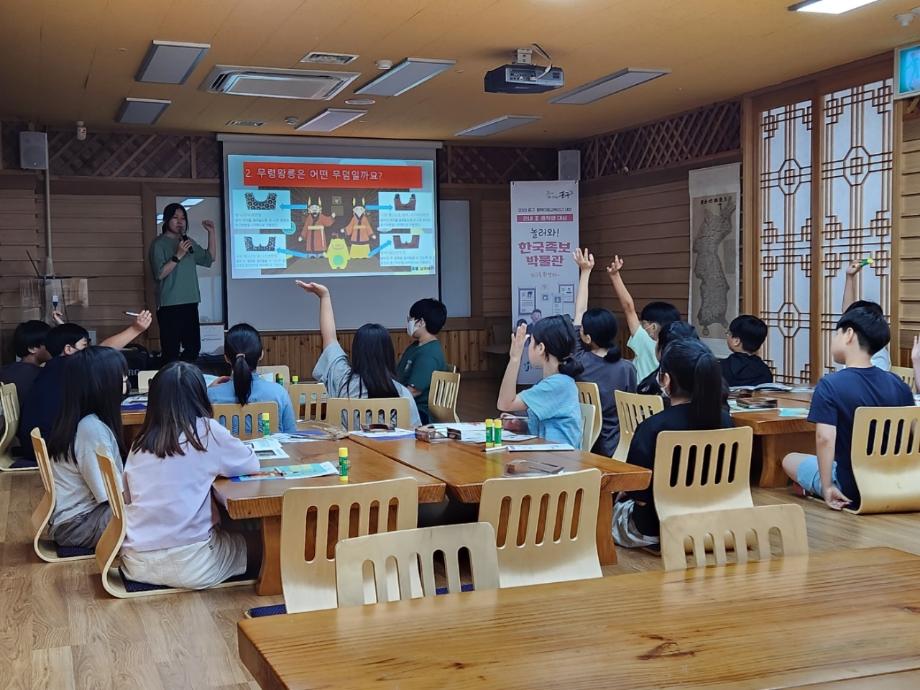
x,y
172,533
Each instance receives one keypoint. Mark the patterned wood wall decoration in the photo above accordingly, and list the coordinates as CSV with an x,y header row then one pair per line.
x,y
495,165
677,140
785,238
856,179
123,154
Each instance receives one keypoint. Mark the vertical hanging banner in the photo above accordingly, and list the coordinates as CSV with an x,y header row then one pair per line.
x,y
715,212
544,233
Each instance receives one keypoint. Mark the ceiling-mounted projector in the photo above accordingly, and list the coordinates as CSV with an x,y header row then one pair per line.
x,y
522,76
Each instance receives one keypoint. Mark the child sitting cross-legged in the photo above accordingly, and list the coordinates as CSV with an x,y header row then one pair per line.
x,y
861,333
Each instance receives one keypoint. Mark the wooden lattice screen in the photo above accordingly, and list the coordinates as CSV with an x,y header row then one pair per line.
x,y
495,165
684,138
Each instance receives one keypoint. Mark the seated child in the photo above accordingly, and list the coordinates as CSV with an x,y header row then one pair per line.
x,y
29,344
424,356
371,371
690,377
243,350
172,536
861,332
676,330
851,300
95,380
600,357
746,335
645,328
552,406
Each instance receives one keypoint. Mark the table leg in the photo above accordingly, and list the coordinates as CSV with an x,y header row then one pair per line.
x,y
269,581
773,448
606,549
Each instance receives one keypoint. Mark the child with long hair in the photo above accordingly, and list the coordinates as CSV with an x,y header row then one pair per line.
x,y
552,405
172,536
691,377
371,371
243,350
89,420
600,356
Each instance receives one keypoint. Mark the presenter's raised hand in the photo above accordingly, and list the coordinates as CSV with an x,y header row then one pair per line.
x,y
315,288
209,226
143,321
184,248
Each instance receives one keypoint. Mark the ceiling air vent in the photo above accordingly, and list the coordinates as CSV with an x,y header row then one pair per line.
x,y
246,123
313,85
329,58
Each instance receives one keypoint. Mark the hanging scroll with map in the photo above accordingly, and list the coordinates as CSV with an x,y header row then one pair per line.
x,y
715,201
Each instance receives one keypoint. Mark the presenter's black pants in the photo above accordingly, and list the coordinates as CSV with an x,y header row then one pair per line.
x,y
179,326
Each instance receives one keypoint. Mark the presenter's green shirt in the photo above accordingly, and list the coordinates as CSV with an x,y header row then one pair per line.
x,y
415,368
181,285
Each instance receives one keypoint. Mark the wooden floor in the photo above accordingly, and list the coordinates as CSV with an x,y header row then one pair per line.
x,y
59,630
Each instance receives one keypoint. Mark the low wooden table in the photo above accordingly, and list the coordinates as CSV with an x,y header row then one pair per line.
x,y
787,623
775,437
464,467
263,499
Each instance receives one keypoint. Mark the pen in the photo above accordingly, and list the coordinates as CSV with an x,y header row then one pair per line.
x,y
131,313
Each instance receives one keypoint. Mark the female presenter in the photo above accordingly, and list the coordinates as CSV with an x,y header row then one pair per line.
x,y
173,260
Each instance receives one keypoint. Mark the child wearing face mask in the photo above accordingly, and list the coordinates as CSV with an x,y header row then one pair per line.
x,y
424,356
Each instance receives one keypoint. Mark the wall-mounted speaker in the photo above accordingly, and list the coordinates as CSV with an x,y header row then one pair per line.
x,y
570,164
33,150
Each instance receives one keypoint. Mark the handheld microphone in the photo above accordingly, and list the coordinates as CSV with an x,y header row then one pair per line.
x,y
191,250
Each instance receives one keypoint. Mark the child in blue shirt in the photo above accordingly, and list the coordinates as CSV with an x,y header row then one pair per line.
x,y
243,350
552,405
861,333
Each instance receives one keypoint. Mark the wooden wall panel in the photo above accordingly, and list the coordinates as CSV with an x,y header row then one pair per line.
x,y
496,259
909,273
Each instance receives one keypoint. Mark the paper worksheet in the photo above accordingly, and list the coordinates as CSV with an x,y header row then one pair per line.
x,y
267,449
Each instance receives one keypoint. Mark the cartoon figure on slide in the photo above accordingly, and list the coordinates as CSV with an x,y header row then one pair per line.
x,y
314,227
714,286
360,232
337,254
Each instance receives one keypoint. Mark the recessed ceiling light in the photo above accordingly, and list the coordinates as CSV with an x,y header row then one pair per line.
x,y
499,124
360,101
330,119
192,201
829,6
609,85
167,62
141,111
324,58
406,75
245,123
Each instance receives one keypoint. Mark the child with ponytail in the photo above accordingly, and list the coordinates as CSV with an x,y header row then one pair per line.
x,y
691,377
552,406
243,350
600,356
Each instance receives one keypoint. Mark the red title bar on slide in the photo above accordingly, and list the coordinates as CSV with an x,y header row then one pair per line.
x,y
264,174
546,218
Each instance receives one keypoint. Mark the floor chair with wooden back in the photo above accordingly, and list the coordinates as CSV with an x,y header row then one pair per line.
x,y
354,413
886,459
906,374
109,546
144,377
545,526
307,401
698,471
45,547
442,396
712,536
590,394
243,421
9,405
588,436
412,553
273,371
315,518
632,410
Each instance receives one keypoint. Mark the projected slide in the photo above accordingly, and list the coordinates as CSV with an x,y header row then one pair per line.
x,y
314,217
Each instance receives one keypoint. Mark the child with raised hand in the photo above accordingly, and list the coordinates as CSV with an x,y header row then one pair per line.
x,y
95,380
172,533
861,332
370,373
645,327
600,356
691,378
552,405
243,350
